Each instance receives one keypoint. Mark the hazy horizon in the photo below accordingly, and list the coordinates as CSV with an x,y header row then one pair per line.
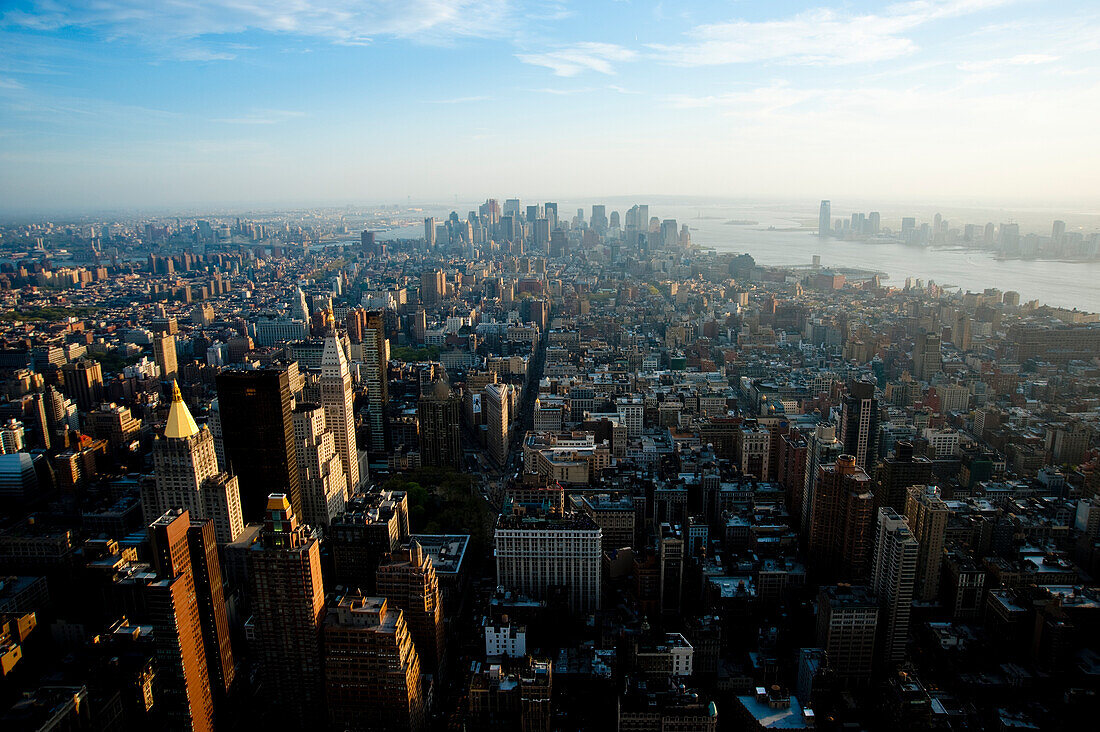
x,y
124,104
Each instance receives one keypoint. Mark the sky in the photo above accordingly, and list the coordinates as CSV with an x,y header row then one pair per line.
x,y
175,103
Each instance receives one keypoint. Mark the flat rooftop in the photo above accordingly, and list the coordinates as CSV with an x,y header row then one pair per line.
x,y
446,550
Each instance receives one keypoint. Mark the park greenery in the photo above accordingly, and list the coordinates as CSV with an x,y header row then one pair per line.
x,y
444,501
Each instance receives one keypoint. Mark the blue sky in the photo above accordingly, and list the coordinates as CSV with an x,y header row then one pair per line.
x,y
140,103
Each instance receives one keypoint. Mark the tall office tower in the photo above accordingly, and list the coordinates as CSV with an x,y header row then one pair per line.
x,y
825,219
550,211
823,449
847,622
185,475
497,400
257,427
893,579
540,236
537,553
669,233
927,359
842,520
429,232
177,624
433,287
288,606
321,476
210,594
409,582
1057,233
337,398
512,207
897,472
375,371
164,351
372,669
490,212
927,513
859,423
533,212
368,243
84,383
874,222
299,310
437,417
599,217
671,558
420,325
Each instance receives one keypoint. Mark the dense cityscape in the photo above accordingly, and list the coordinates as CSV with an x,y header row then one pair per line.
x,y
522,468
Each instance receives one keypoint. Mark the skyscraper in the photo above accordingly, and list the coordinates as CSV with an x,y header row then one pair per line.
x,y
927,358
84,382
257,428
429,232
409,582
822,449
825,219
893,578
498,408
372,669
164,351
210,594
185,475
376,356
320,473
897,472
927,513
433,287
177,622
437,416
847,623
599,217
859,423
842,520
288,604
337,398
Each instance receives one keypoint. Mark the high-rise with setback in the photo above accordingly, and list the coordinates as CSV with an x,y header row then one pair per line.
x,y
337,398
288,607
409,582
320,472
185,467
927,513
372,669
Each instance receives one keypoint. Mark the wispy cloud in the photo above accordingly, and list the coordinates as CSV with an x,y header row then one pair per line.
x,y
261,117
756,102
6,83
821,36
579,57
339,21
993,64
458,100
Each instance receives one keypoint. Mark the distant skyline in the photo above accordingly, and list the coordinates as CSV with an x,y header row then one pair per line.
x,y
145,104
